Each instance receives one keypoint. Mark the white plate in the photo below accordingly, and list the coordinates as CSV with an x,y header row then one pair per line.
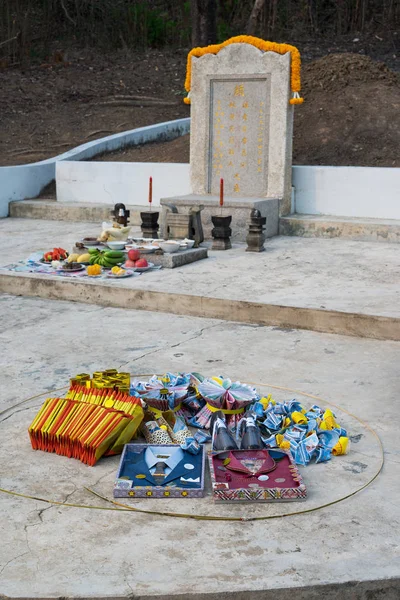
x,y
143,269
128,273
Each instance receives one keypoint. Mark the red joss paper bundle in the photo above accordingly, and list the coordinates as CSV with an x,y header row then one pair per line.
x,y
85,430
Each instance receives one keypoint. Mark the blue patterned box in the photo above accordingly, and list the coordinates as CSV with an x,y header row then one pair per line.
x,y
134,479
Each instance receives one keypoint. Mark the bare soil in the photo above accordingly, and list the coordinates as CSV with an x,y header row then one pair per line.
x,y
349,117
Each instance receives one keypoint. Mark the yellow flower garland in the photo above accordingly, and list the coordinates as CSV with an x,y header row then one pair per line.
x,y
261,45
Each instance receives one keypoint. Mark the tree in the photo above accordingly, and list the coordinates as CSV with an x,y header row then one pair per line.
x,y
251,27
204,22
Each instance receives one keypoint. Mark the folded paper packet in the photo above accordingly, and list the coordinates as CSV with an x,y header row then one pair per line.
x,y
84,430
109,379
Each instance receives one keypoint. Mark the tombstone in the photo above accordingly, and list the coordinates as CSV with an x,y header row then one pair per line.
x,y
241,130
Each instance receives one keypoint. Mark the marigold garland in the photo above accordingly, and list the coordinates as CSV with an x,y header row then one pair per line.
x,y
261,45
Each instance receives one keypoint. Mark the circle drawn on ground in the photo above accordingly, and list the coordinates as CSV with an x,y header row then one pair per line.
x,y
327,483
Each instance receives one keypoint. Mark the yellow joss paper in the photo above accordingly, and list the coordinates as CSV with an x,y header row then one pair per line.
x,y
299,418
285,445
265,401
328,421
279,438
342,447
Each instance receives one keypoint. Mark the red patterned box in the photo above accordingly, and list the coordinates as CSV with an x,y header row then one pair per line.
x,y
255,476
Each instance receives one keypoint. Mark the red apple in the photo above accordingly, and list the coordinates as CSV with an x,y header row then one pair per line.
x,y
133,254
142,262
130,264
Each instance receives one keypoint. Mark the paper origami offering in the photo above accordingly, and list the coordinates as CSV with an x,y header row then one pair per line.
x,y
231,398
169,392
306,434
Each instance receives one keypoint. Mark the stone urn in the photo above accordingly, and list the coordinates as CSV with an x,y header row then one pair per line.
x,y
149,225
221,232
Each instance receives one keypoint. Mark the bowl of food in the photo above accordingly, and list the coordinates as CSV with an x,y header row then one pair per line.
x,y
117,245
90,241
169,247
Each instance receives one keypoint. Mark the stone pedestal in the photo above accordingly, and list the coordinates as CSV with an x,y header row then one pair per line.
x,y
185,224
255,238
239,208
221,232
149,225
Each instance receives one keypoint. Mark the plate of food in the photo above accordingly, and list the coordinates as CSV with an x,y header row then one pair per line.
x,y
143,268
72,267
119,273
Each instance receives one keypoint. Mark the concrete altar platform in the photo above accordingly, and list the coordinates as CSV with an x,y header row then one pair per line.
x,y
333,286
178,259
348,550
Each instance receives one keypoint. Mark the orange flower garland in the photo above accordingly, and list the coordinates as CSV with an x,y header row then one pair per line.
x,y
261,45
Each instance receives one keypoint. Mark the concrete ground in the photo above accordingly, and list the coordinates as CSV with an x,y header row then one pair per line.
x,y
350,548
329,285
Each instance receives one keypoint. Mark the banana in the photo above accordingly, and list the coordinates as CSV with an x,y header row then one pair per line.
x,y
83,258
72,258
114,254
114,261
93,251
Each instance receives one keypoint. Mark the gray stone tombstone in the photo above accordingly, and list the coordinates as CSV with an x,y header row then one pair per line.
x,y
241,130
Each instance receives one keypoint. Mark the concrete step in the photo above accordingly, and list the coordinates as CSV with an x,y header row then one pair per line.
x,y
51,210
349,228
325,226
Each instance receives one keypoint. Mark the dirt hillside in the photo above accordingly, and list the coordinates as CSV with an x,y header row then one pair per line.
x,y
350,117
350,114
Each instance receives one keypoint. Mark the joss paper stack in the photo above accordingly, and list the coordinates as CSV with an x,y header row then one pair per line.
x,y
105,397
82,430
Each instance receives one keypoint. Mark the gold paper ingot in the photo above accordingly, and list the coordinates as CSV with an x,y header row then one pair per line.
x,y
266,400
285,445
342,447
329,419
299,418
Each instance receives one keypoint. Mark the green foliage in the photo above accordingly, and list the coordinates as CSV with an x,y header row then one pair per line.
x,y
29,28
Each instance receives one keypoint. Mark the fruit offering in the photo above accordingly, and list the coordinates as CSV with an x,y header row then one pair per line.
x,y
118,271
141,263
83,258
93,270
133,254
106,258
55,254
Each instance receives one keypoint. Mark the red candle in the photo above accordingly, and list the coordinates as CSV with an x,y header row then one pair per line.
x,y
150,190
221,192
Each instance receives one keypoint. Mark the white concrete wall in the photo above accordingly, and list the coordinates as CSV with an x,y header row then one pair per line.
x,y
341,191
347,191
26,181
112,182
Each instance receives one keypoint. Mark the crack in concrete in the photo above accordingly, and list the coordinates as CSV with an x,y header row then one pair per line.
x,y
170,346
18,411
12,560
199,334
101,478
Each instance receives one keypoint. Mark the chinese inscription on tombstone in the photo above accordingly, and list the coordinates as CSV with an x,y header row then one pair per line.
x,y
238,128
